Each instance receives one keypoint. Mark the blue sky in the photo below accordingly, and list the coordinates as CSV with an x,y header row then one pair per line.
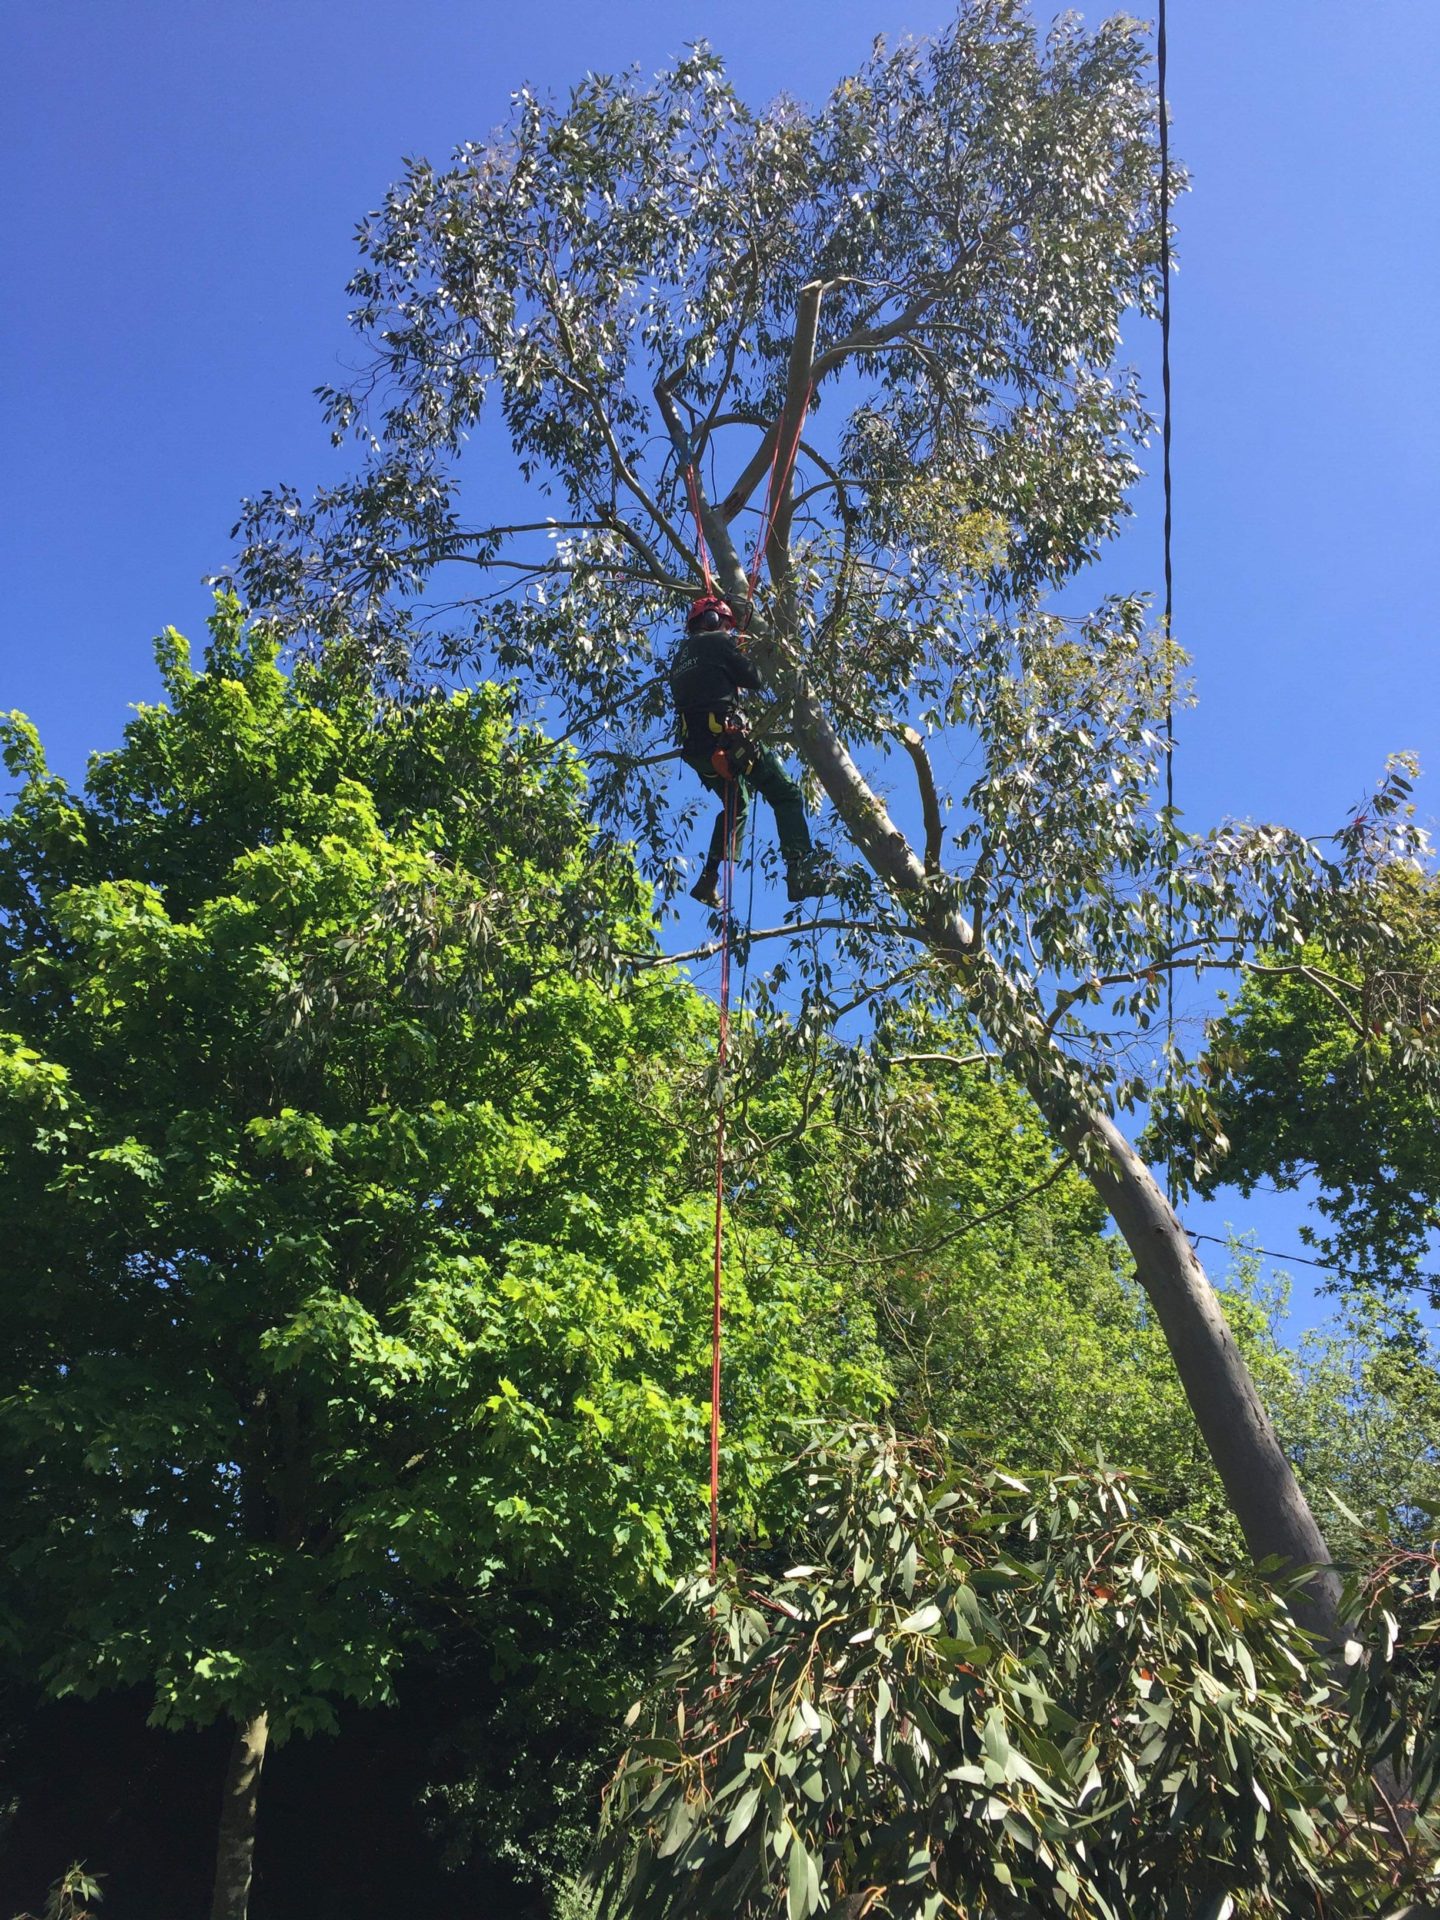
x,y
183,183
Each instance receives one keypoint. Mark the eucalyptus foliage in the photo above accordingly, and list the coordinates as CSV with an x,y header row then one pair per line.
x,y
982,1696
1394,1660
349,1252
621,282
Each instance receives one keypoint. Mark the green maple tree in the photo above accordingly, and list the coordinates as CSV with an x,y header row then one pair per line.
x,y
350,1250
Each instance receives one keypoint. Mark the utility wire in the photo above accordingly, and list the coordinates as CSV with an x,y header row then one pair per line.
x,y
1299,1260
1172,1185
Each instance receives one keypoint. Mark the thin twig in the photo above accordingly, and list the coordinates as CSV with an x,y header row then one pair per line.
x,y
980,1220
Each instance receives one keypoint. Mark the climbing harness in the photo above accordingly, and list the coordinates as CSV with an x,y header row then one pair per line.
x,y
733,754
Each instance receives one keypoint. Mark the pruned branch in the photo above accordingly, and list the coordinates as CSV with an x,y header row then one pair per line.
x,y
914,745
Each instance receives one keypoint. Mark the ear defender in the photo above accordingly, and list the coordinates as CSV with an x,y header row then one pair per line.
x,y
709,614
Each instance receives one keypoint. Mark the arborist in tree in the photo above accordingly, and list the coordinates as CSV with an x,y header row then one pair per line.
x,y
707,675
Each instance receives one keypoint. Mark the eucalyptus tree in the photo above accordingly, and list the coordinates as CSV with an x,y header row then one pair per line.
x,y
919,287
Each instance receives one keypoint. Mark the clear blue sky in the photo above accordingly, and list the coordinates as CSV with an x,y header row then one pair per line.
x,y
183,182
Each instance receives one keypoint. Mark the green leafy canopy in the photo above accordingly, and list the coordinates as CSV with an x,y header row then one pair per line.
x,y
350,1250
628,281
1329,1070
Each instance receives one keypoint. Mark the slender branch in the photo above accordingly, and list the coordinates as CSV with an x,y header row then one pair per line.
x,y
888,985
713,525
746,418
642,546
632,759
1060,1167
1172,962
619,463
708,425
929,800
825,924
1327,983
610,708
548,569
942,1059
835,483
759,465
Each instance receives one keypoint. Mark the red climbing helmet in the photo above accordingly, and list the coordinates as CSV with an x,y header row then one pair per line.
x,y
709,614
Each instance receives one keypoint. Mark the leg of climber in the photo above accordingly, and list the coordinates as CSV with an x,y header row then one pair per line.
x,y
734,806
805,875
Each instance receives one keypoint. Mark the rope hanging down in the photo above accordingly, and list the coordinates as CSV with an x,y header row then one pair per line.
x,y
692,487
776,486
721,1051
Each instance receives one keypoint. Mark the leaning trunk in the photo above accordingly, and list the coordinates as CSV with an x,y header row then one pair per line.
x,y
1259,1481
235,1853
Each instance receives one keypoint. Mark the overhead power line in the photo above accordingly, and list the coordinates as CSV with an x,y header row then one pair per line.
x,y
1161,67
1300,1260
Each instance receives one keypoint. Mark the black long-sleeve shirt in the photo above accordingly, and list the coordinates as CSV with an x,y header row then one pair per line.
x,y
708,671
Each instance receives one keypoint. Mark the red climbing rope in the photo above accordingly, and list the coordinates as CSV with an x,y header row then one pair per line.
x,y
692,487
776,485
721,1050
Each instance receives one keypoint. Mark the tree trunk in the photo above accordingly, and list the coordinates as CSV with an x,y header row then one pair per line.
x,y
235,1852
1258,1480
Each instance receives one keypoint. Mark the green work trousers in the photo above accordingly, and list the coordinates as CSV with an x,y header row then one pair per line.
x,y
767,776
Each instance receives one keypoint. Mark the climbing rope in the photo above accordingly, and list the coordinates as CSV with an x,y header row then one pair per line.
x,y
777,482
721,1053
692,487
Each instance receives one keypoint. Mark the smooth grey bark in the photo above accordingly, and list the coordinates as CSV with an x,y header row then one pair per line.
x,y
235,1850
1259,1481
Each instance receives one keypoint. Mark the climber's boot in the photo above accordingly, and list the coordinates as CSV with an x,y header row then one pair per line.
x,y
809,876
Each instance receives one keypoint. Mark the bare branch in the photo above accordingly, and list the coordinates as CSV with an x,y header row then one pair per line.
x,y
929,800
1327,984
642,962
942,1059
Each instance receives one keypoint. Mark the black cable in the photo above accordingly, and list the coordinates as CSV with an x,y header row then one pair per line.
x,y
1172,1185
1299,1260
